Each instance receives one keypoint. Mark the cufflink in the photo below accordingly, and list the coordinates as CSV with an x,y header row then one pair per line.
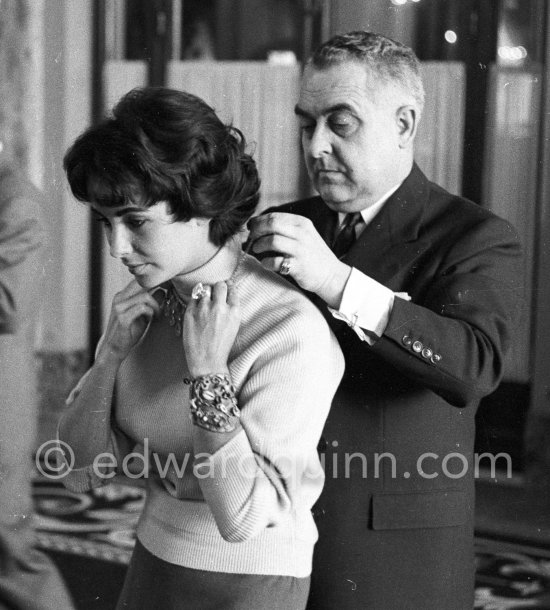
x,y
403,295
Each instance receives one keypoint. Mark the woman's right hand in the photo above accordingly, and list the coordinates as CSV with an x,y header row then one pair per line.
x,y
131,311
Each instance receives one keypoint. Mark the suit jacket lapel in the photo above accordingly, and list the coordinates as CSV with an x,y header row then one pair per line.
x,y
390,240
323,219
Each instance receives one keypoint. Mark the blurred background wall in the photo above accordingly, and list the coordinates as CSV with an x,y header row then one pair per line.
x,y
45,101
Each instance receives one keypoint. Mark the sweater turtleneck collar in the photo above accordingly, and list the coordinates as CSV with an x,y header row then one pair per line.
x,y
220,267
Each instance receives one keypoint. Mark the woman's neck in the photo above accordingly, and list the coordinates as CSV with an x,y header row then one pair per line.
x,y
217,268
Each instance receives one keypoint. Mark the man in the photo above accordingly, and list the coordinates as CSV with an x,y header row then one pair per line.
x,y
28,580
421,290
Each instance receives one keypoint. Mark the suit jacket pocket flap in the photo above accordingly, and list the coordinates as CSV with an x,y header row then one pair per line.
x,y
419,510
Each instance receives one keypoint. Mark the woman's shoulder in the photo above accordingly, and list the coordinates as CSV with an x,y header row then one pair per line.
x,y
279,324
268,289
269,300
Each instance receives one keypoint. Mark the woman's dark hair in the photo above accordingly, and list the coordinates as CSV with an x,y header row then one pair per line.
x,y
166,145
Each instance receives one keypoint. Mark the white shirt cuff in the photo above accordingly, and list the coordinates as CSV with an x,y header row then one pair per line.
x,y
366,306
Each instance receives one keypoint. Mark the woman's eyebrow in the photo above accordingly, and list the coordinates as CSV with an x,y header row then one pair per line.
x,y
121,212
125,211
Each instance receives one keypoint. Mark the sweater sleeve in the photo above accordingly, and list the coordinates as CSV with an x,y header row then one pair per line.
x,y
271,467
102,471
105,466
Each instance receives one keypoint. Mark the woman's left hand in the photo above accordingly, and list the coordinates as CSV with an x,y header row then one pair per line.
x,y
210,326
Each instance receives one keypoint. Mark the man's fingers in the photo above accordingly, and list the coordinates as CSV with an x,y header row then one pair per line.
x,y
275,243
276,222
273,263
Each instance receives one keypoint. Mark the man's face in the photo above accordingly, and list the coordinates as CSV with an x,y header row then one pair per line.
x,y
350,135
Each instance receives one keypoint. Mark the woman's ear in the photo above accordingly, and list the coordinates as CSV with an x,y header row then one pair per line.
x,y
200,221
407,123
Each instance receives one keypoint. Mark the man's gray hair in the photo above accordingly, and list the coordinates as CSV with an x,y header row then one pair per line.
x,y
387,59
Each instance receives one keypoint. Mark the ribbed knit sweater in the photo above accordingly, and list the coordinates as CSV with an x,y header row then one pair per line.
x,y
246,508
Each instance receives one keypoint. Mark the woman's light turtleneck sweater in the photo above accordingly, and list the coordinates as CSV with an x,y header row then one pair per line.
x,y
246,508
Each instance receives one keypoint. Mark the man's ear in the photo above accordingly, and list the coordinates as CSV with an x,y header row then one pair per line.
x,y
407,123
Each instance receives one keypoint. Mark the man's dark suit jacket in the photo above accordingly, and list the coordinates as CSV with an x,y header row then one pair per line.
x,y
396,515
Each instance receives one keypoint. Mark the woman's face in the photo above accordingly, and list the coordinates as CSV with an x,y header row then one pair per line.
x,y
153,246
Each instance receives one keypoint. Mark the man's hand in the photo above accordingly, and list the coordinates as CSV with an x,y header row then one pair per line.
x,y
313,266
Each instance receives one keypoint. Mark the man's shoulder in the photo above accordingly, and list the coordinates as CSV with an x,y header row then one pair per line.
x,y
461,213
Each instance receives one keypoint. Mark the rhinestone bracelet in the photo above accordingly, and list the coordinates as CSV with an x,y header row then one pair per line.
x,y
213,402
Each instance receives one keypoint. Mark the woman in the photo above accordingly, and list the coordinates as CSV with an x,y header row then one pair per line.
x,y
220,370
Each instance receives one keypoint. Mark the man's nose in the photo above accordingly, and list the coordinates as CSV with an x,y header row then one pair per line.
x,y
120,243
320,143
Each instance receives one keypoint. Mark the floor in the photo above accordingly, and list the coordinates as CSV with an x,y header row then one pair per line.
x,y
90,537
508,509
512,545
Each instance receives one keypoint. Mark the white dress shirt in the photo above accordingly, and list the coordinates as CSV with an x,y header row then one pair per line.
x,y
366,304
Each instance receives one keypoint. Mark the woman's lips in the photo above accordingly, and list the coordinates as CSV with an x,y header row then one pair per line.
x,y
137,269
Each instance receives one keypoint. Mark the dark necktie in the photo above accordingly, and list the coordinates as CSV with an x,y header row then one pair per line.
x,y
346,235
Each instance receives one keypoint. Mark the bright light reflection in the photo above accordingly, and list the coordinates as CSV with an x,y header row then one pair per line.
x,y
399,2
512,53
451,36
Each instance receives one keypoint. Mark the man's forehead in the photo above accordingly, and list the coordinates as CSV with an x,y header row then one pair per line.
x,y
340,83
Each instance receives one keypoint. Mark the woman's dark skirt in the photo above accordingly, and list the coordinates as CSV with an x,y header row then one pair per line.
x,y
153,583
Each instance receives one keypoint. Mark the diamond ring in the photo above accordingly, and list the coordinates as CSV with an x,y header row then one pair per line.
x,y
200,291
284,269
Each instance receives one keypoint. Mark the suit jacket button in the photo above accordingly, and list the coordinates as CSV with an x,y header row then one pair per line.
x,y
427,352
436,358
407,340
417,347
